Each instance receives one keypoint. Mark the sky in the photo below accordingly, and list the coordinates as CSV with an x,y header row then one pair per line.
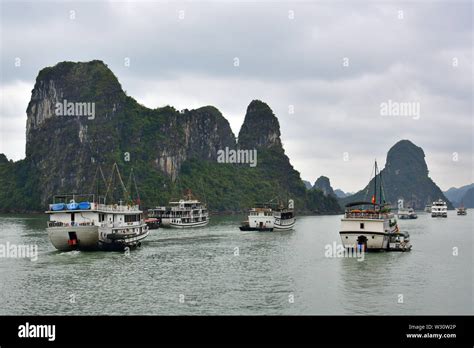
x,y
327,69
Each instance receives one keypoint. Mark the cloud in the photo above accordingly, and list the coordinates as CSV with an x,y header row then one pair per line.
x,y
14,99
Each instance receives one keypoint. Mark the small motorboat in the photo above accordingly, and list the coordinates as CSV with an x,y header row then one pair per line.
x,y
152,223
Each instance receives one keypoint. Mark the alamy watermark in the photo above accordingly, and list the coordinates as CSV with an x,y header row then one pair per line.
x,y
75,109
15,251
405,109
237,156
335,250
37,331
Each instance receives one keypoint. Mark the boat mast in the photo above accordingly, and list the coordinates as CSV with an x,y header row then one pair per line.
x,y
375,185
380,194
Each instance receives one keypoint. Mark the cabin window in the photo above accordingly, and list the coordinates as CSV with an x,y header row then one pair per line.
x,y
132,218
373,237
362,226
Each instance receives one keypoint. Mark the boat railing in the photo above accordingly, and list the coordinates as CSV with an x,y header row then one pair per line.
x,y
186,208
121,224
92,206
117,208
69,224
352,215
88,197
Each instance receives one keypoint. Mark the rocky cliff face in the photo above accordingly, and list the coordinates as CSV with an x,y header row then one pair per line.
x,y
323,184
405,176
79,117
77,83
65,147
261,131
261,128
197,133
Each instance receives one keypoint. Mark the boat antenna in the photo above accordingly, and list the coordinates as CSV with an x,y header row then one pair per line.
x,y
125,191
132,179
382,189
368,185
109,184
96,182
102,176
115,167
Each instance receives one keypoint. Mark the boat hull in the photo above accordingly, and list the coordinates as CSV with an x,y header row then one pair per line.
x,y
284,225
119,242
370,241
187,225
87,237
407,217
248,228
444,215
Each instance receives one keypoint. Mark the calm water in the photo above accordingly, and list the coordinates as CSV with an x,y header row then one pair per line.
x,y
198,272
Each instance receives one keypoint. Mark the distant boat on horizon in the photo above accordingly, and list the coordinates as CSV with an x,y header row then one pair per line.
x,y
405,213
439,209
267,218
185,213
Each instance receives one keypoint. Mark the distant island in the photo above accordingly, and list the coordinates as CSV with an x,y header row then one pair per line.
x,y
405,176
461,196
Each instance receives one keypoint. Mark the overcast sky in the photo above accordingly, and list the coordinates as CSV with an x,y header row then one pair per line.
x,y
333,63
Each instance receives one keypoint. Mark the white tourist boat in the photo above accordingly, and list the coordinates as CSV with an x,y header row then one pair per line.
x,y
86,222
284,218
185,213
405,213
439,209
259,219
266,218
372,226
